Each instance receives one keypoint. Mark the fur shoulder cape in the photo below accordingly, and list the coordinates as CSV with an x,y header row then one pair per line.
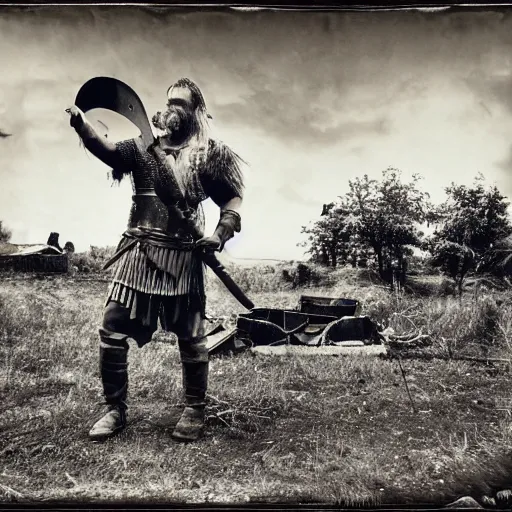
x,y
222,175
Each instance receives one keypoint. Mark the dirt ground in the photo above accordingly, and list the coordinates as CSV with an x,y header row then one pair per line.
x,y
317,429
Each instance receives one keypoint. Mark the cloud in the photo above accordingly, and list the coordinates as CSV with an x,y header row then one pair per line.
x,y
505,165
289,193
293,118
494,95
493,89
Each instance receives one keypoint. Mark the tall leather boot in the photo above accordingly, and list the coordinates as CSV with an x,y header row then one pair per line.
x,y
114,376
195,381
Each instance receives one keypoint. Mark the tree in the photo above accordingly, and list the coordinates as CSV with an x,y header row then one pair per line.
x,y
329,237
386,215
474,216
472,221
5,233
69,247
379,217
454,260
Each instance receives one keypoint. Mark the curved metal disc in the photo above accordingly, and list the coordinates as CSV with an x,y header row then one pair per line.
x,y
113,94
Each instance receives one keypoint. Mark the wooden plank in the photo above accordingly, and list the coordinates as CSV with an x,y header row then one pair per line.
x,y
328,350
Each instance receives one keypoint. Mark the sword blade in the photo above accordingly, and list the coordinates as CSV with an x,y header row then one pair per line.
x,y
220,271
113,94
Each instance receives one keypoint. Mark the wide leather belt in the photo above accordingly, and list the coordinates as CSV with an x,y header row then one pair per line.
x,y
153,237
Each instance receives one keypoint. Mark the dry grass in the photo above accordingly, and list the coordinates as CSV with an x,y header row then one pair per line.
x,y
335,430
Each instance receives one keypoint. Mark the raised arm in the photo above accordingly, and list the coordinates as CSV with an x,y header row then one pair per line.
x,y
99,146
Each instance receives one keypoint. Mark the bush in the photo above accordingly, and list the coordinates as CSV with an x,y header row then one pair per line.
x,y
5,233
92,260
307,275
278,277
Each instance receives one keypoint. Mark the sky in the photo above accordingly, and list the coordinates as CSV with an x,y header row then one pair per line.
x,y
310,100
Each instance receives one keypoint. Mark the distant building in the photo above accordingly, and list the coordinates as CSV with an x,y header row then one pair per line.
x,y
43,258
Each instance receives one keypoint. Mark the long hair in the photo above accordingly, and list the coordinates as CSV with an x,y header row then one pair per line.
x,y
193,157
197,95
201,116
223,165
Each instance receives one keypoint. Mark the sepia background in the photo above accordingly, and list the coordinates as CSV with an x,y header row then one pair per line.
x,y
309,100
416,410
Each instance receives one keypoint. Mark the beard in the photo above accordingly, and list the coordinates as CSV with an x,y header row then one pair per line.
x,y
177,123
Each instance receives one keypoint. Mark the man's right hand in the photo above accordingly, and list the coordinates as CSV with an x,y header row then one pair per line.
x,y
77,118
99,146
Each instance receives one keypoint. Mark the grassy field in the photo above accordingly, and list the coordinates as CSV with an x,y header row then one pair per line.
x,y
337,430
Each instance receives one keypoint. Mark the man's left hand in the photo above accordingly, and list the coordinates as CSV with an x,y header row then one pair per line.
x,y
209,243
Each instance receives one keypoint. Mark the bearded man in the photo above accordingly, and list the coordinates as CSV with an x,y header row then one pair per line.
x,y
158,273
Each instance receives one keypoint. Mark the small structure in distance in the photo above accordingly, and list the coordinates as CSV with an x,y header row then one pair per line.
x,y
44,258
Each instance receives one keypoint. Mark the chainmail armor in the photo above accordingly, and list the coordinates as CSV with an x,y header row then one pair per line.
x,y
143,169
144,166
